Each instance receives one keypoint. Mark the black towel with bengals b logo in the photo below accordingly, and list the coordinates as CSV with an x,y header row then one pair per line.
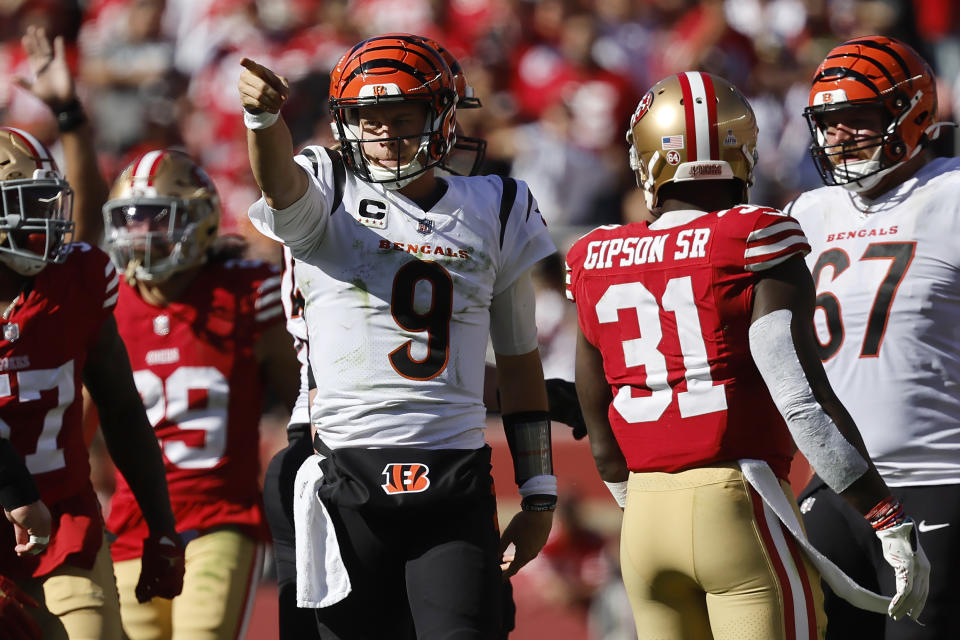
x,y
405,477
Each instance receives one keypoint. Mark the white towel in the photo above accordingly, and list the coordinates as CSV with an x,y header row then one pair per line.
x,y
322,578
762,479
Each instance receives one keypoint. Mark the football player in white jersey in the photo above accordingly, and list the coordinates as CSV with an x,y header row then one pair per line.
x,y
884,258
404,275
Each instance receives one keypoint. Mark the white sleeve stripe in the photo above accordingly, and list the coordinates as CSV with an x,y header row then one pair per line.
x,y
774,229
769,263
269,299
112,300
110,268
767,249
266,314
113,283
270,283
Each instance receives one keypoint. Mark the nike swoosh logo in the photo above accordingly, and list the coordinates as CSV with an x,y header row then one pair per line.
x,y
923,527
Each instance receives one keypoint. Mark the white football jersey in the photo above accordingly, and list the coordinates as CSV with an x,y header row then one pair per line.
x,y
887,274
297,328
397,299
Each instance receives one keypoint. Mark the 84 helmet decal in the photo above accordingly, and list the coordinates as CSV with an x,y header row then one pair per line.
x,y
36,224
679,132
878,73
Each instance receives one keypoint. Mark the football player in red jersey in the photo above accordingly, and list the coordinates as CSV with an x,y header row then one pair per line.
x,y
58,334
421,271
695,366
884,260
207,335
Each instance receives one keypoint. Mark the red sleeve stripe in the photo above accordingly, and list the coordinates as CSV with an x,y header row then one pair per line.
x,y
569,288
758,250
760,264
269,313
788,224
269,300
146,166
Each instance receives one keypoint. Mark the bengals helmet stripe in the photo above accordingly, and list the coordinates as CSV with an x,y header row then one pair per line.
x,y
700,110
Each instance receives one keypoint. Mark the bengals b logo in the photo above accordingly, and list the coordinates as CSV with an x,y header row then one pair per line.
x,y
405,477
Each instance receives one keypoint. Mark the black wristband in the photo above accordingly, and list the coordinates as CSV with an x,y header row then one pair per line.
x,y
539,502
17,487
70,116
528,437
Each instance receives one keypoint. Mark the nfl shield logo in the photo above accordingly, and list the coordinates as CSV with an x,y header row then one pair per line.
x,y
161,325
425,226
11,332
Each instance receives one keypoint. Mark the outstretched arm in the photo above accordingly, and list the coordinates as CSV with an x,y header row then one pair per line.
x,y
270,146
53,84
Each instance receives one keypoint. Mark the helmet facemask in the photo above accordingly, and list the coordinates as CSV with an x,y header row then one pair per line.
x,y
887,150
37,224
151,239
432,145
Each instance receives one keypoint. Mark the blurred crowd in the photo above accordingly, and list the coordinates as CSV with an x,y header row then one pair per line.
x,y
558,80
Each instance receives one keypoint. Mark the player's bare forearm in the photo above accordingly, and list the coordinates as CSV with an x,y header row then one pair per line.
x,y
521,384
126,430
89,187
595,398
270,148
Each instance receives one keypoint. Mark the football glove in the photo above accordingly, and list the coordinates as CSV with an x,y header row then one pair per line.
x,y
17,623
161,568
565,406
902,551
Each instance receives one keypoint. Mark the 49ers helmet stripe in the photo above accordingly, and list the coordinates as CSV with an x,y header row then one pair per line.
x,y
146,166
36,148
700,110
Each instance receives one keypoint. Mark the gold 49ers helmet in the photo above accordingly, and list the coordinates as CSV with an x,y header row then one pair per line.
x,y
879,73
162,216
692,126
36,225
394,69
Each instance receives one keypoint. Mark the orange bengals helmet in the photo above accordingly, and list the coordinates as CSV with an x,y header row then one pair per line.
x,y
873,72
468,153
392,69
692,126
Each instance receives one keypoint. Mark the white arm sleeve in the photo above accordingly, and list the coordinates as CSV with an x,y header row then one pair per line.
x,y
513,322
829,453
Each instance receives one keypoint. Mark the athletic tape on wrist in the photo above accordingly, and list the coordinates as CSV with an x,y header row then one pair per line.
x,y
543,485
260,120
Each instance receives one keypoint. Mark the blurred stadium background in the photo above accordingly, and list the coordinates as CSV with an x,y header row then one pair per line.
x,y
558,80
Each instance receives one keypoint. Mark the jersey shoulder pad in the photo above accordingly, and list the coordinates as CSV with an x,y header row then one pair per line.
x,y
93,271
769,236
577,255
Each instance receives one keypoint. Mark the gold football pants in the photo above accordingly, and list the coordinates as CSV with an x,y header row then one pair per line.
x,y
222,571
704,558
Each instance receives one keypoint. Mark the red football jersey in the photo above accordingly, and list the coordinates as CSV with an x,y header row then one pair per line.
x,y
43,350
194,365
669,308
